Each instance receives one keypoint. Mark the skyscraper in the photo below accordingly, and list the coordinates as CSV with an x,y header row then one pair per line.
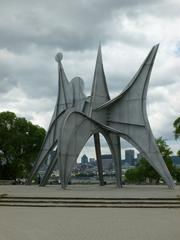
x,y
84,159
129,157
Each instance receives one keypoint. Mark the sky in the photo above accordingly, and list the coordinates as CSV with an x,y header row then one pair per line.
x,y
32,32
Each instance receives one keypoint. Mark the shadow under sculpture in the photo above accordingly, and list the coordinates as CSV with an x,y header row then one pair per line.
x,y
77,117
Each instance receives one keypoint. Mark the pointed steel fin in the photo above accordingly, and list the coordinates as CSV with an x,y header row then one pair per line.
x,y
99,94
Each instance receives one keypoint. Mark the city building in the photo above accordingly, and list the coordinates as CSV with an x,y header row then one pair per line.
x,y
84,159
176,161
129,157
92,161
107,161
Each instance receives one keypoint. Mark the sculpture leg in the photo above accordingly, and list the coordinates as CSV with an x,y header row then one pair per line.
x,y
48,171
142,138
76,131
98,156
115,147
40,161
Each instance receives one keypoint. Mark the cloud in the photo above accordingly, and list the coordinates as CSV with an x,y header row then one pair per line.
x,y
71,25
32,32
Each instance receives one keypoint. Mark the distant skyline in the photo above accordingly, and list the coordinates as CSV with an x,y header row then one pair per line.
x,y
32,32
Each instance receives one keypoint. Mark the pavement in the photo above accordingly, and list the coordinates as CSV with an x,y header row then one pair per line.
x,y
29,223
90,191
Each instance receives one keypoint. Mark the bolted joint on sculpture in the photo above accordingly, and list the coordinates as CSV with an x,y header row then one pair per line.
x,y
77,117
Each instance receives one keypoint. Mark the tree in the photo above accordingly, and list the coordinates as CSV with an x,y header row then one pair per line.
x,y
166,153
134,175
148,171
178,153
20,142
176,125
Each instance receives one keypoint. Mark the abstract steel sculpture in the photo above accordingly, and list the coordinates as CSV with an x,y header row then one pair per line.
x,y
77,117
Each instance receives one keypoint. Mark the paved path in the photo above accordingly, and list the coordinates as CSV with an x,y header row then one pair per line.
x,y
98,224
89,224
90,191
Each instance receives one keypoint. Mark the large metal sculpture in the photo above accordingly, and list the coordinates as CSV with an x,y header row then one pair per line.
x,y
77,117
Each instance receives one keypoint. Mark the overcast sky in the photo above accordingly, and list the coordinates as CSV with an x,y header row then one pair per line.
x,y
32,32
